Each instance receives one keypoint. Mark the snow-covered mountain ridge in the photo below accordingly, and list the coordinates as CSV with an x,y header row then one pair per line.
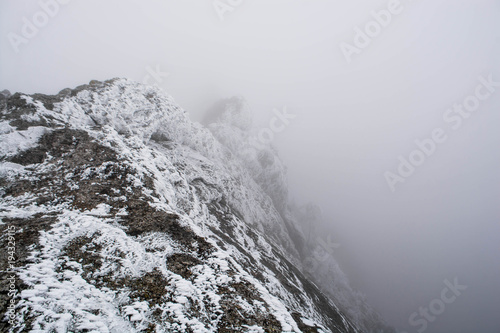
x,y
129,217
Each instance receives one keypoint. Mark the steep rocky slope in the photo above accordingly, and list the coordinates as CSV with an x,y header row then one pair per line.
x,y
125,216
230,121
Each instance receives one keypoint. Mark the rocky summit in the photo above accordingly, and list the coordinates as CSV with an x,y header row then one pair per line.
x,y
120,214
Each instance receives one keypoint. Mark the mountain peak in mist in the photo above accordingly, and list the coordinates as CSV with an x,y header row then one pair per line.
x,y
129,217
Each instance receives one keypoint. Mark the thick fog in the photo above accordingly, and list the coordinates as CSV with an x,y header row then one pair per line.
x,y
392,128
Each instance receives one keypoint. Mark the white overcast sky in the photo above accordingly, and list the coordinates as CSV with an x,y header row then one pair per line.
x,y
353,119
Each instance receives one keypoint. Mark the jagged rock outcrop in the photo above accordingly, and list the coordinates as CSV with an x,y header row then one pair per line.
x,y
230,121
125,216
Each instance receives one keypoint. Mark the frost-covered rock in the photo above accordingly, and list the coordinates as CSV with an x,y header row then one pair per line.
x,y
127,217
305,224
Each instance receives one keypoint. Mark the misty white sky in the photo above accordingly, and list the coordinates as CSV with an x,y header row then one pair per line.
x,y
353,119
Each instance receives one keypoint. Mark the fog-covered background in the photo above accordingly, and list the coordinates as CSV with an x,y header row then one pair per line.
x,y
353,119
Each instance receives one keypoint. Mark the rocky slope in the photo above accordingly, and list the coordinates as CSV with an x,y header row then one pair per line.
x,y
121,215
